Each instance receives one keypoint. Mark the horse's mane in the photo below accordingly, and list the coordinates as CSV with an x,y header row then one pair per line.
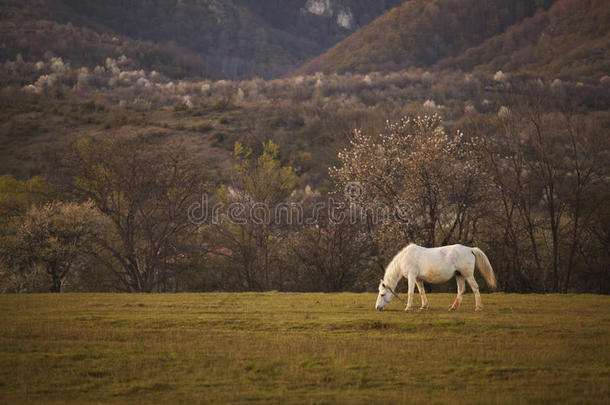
x,y
392,272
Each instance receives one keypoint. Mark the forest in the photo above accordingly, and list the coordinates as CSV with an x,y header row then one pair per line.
x,y
152,185
129,163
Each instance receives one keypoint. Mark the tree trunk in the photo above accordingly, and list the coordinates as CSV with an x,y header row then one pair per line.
x,y
56,285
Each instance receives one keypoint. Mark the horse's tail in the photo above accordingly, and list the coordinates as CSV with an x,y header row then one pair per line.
x,y
482,263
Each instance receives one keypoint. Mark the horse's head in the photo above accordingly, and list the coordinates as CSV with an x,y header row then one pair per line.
x,y
384,297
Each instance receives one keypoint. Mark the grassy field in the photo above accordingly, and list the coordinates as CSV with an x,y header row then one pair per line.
x,y
306,348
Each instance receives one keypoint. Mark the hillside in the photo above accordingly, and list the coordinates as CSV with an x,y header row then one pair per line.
x,y
242,38
570,37
36,41
420,33
61,79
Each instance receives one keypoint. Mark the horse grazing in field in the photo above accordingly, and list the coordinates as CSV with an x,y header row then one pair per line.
x,y
435,265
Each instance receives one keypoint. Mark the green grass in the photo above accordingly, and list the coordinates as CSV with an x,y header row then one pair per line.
x,y
308,348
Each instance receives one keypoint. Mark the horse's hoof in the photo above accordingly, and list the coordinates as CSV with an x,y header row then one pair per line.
x,y
478,309
408,309
423,308
451,309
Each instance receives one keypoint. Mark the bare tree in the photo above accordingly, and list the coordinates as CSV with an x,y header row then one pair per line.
x,y
546,162
247,233
329,255
145,190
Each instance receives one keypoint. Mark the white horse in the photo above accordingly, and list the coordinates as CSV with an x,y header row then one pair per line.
x,y
435,265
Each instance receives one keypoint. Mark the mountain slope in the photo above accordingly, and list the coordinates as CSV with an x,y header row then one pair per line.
x,y
29,33
572,37
421,33
243,38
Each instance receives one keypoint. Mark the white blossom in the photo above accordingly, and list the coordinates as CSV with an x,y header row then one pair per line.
x,y
429,104
58,66
503,112
499,76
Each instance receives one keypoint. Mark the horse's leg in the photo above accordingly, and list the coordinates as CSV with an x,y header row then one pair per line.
x,y
475,289
461,286
422,294
411,281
